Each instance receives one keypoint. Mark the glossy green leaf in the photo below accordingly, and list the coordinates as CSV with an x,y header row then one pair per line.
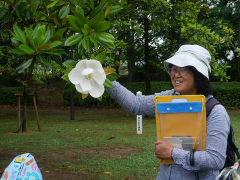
x,y
113,76
99,17
74,39
79,10
43,47
2,13
69,87
102,26
35,31
105,44
101,57
47,37
24,66
92,57
86,43
16,42
17,51
99,98
30,38
41,35
8,17
26,49
52,4
98,9
16,37
86,30
70,63
81,49
64,12
19,33
54,44
52,53
114,9
94,42
51,28
106,37
80,19
42,60
60,32
41,14
107,83
65,77
73,24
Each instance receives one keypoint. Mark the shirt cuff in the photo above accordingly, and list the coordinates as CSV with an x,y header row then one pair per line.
x,y
179,155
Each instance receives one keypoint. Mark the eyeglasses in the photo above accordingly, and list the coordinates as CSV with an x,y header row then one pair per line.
x,y
181,72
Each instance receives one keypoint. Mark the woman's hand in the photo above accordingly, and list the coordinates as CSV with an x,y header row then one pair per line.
x,y
163,150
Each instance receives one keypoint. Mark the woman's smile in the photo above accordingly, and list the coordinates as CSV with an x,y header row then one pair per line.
x,y
183,80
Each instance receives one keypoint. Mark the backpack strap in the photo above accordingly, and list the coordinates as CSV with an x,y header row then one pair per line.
x,y
209,106
211,102
231,143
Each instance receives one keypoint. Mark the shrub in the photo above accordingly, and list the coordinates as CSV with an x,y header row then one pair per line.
x,y
7,95
228,93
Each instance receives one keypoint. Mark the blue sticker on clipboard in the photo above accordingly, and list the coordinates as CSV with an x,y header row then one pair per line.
x,y
179,107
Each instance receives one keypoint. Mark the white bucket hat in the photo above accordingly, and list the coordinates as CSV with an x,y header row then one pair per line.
x,y
191,55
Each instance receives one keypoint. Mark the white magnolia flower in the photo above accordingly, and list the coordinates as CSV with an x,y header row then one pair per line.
x,y
88,77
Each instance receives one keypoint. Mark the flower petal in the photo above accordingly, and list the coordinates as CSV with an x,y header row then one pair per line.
x,y
81,65
85,84
94,64
87,71
75,76
79,89
99,77
97,90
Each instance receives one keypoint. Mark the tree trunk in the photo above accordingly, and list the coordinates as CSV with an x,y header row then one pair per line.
x,y
239,56
117,60
131,64
72,111
24,120
146,27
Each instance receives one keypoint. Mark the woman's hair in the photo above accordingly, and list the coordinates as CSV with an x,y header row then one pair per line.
x,y
202,82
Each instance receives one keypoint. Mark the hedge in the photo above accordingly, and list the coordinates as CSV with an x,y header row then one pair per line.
x,y
7,95
228,93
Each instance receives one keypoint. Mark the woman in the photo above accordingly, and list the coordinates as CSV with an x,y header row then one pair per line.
x,y
188,70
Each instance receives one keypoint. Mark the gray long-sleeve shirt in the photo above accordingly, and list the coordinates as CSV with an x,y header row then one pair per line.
x,y
207,163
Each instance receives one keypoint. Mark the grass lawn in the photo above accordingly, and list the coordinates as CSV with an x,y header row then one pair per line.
x,y
103,145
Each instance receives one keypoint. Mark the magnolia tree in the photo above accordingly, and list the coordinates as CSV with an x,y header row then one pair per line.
x,y
36,34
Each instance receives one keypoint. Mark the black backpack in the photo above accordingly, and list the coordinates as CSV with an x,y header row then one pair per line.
x,y
231,147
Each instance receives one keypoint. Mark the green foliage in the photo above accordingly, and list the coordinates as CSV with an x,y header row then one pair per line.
x,y
8,98
41,73
35,45
228,94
